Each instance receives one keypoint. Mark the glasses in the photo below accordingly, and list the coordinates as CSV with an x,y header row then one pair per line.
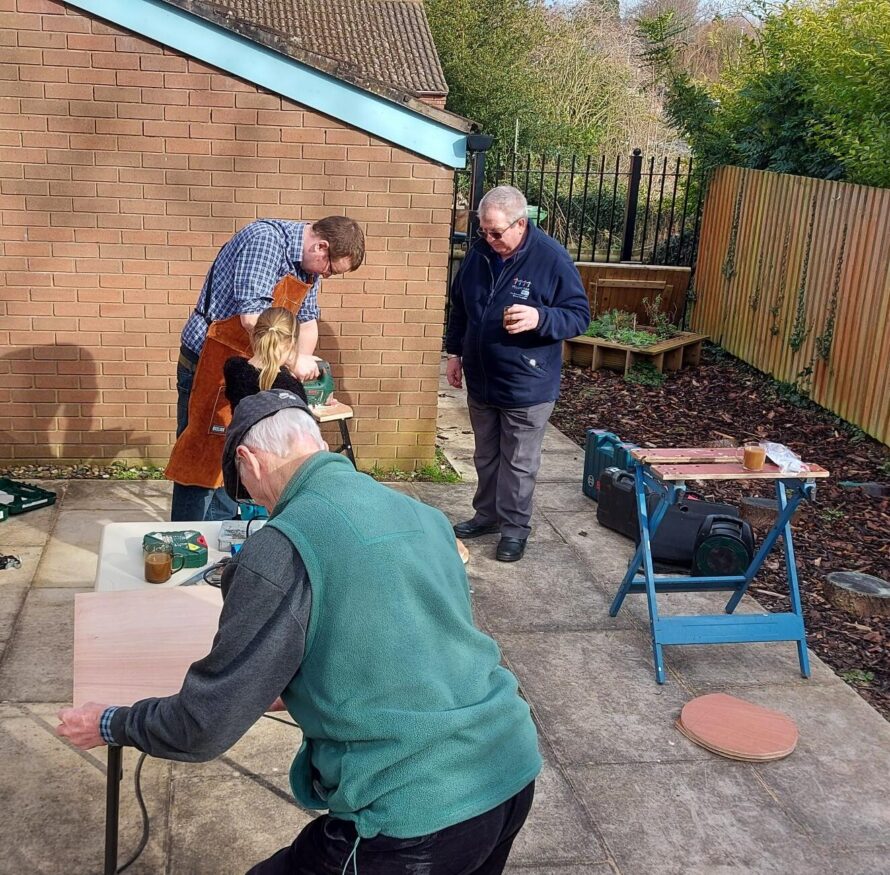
x,y
496,235
330,271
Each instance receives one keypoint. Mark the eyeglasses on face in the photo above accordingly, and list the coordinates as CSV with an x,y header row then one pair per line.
x,y
496,235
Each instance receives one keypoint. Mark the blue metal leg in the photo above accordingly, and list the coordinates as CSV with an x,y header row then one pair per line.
x,y
668,497
791,565
648,571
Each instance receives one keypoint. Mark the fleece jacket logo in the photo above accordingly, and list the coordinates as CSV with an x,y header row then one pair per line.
x,y
521,289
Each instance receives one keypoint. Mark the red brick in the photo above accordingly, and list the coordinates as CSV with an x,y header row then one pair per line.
x,y
42,39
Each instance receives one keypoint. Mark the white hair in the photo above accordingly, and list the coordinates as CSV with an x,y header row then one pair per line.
x,y
278,433
506,199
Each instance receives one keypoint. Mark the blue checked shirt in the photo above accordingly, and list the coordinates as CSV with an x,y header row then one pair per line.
x,y
245,273
105,725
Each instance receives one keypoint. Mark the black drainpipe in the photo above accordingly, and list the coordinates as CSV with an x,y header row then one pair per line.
x,y
477,146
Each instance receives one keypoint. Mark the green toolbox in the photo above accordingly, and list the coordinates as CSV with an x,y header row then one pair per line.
x,y
18,497
189,544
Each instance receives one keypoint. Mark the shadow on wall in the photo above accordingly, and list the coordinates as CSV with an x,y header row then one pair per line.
x,y
52,408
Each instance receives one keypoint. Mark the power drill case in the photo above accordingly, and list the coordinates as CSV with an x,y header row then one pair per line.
x,y
674,541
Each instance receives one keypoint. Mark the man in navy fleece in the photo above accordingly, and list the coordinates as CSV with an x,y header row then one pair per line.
x,y
515,299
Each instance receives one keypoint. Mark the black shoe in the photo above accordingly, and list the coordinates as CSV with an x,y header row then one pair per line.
x,y
510,549
469,529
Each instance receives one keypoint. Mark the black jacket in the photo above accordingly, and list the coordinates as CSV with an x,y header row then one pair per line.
x,y
243,379
515,370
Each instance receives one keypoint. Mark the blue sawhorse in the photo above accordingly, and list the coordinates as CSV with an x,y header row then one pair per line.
x,y
664,472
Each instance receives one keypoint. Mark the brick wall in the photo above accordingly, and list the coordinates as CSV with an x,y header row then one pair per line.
x,y
125,167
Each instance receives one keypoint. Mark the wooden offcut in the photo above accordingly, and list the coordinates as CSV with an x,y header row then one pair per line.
x,y
738,729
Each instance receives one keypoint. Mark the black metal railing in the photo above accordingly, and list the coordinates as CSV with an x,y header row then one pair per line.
x,y
627,208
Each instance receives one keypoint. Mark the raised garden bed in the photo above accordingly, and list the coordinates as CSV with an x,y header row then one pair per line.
x,y
666,355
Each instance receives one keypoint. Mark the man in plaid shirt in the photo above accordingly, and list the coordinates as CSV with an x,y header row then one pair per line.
x,y
240,283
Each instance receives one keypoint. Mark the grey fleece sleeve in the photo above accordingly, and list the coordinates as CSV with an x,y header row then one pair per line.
x,y
256,651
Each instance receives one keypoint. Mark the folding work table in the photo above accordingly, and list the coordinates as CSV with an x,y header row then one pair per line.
x,y
664,472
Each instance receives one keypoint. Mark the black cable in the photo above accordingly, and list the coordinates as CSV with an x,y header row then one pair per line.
x,y
280,720
213,573
145,822
137,784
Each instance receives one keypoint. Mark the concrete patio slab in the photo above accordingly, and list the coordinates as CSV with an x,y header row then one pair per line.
x,y
561,832
36,665
226,824
596,700
586,869
855,811
72,551
149,496
22,576
564,466
706,817
563,498
266,751
32,529
547,590
53,802
712,668
12,597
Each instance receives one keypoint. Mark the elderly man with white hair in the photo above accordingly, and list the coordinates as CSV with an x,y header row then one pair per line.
x,y
515,299
353,606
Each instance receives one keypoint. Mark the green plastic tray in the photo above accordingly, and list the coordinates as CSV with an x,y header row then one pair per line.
x,y
25,497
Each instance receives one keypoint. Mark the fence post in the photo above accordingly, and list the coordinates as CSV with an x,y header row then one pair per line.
x,y
630,214
477,146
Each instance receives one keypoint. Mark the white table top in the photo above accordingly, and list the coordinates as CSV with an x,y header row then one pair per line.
x,y
121,564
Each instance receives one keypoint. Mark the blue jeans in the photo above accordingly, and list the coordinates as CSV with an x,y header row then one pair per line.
x,y
194,503
479,846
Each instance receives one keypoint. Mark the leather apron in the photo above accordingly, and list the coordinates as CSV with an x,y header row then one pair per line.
x,y
196,459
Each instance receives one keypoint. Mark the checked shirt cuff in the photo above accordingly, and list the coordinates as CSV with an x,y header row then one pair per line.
x,y
105,725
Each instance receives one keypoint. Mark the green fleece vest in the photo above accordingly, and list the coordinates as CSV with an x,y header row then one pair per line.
x,y
410,723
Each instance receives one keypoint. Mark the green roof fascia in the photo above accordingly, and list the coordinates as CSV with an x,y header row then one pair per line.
x,y
214,45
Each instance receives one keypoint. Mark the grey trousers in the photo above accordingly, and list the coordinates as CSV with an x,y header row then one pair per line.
x,y
507,458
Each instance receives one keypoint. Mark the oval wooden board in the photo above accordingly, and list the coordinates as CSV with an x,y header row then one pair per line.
x,y
738,729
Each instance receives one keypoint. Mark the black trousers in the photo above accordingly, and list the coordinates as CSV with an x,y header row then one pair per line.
x,y
479,846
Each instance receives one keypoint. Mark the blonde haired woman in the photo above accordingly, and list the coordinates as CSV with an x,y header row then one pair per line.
x,y
274,342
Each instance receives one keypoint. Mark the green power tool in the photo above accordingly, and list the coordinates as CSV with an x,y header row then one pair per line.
x,y
322,387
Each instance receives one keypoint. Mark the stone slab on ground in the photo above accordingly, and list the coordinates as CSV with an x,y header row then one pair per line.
x,y
37,661
53,801
712,816
595,698
548,590
12,597
72,551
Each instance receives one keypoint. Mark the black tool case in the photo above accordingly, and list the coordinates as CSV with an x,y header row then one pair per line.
x,y
674,541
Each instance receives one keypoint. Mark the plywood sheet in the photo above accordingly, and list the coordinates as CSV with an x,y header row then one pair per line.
x,y
137,644
332,412
738,729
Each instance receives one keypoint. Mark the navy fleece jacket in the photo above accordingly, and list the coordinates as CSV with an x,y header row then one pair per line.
x,y
515,370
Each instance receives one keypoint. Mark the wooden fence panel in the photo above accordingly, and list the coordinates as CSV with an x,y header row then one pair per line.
x,y
793,277
624,296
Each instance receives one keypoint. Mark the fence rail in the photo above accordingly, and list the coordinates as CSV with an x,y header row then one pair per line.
x,y
627,208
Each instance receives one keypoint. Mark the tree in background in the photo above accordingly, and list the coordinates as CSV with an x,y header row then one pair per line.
x,y
550,78
807,92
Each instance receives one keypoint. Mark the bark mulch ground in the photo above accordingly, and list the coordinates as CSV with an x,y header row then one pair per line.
x,y
844,530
